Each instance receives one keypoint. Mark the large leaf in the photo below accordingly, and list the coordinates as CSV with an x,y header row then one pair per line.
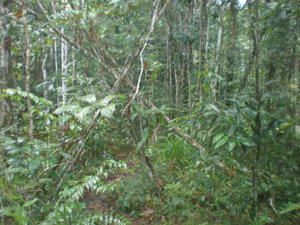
x,y
290,208
67,108
108,110
91,98
29,203
221,142
83,113
105,101
25,94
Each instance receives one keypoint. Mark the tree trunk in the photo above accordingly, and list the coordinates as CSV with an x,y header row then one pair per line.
x,y
203,43
217,75
4,63
231,55
257,130
45,76
203,34
64,66
190,60
55,54
27,71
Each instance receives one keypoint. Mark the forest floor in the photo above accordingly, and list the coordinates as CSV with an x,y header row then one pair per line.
x,y
106,204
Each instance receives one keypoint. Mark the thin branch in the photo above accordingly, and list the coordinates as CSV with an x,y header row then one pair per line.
x,y
127,66
138,83
154,18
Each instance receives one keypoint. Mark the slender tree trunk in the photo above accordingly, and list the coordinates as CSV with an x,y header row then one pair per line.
x,y
207,29
64,66
297,62
177,86
190,54
45,76
203,43
203,34
256,48
74,65
55,54
5,43
217,75
232,51
27,71
169,76
248,69
3,69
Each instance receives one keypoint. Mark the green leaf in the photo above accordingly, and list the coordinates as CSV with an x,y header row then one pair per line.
x,y
245,141
213,107
105,101
231,146
89,98
114,1
82,113
218,137
221,142
144,139
297,131
286,125
29,203
49,41
108,110
290,208
67,108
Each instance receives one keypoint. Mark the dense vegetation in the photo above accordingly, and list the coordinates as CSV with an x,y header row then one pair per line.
x,y
150,112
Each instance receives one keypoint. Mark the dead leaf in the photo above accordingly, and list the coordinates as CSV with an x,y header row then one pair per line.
x,y
19,14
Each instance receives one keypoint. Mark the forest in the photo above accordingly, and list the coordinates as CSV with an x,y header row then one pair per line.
x,y
149,112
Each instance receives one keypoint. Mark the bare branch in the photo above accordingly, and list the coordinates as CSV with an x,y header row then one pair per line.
x,y
145,39
154,18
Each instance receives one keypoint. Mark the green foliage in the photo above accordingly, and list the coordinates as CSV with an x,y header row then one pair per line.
x,y
176,152
290,208
135,193
214,73
18,94
31,168
73,213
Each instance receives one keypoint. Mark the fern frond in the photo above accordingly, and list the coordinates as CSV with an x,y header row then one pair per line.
x,y
105,219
